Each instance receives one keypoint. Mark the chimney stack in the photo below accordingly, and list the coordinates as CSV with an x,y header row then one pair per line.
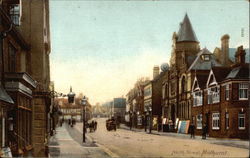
x,y
240,55
156,71
225,49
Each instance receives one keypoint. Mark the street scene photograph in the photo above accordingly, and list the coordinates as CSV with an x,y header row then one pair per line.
x,y
124,78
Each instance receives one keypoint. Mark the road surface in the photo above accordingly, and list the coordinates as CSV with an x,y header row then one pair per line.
x,y
126,143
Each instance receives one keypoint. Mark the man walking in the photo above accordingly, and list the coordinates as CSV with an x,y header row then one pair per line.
x,y
192,128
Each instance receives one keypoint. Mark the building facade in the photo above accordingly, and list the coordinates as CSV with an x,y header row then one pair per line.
x,y
187,61
152,100
222,102
30,30
134,115
16,79
73,110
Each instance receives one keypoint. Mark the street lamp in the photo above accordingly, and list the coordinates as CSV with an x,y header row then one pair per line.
x,y
150,119
84,102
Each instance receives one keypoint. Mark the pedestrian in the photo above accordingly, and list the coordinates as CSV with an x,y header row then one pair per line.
x,y
95,127
69,121
192,129
204,131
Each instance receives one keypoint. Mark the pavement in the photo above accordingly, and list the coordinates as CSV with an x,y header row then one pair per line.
x,y
244,144
67,142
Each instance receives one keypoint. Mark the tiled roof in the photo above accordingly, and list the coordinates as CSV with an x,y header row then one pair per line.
x,y
240,72
186,32
200,64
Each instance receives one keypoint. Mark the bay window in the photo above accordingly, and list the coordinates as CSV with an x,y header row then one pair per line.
x,y
197,98
213,95
243,91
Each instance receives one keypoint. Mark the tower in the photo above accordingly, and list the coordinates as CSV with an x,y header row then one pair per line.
x,y
185,43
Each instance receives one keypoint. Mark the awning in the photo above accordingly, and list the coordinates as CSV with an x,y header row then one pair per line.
x,y
4,96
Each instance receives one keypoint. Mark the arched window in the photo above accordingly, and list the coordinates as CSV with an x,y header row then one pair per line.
x,y
183,84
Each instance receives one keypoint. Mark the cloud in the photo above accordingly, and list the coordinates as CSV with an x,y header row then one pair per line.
x,y
104,80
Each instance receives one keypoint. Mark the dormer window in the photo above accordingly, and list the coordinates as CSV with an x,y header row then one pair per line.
x,y
205,57
15,12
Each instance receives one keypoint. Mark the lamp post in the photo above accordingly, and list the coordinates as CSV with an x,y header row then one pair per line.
x,y
84,101
150,119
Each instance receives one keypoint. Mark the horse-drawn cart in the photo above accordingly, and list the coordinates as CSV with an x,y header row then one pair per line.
x,y
111,124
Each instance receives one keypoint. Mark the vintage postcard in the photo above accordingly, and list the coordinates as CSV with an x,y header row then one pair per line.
x,y
124,78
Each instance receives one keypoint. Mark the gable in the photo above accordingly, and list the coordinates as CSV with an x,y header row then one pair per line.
x,y
211,79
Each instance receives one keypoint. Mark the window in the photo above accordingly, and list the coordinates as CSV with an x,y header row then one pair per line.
x,y
12,58
15,13
199,121
163,92
241,123
197,98
227,120
183,87
213,95
227,92
215,121
148,92
205,57
243,91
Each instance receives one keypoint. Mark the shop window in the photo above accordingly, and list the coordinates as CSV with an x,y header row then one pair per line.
x,y
215,121
241,119
227,120
243,91
199,121
227,92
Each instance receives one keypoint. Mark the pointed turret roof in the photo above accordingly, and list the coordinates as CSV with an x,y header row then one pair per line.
x,y
186,32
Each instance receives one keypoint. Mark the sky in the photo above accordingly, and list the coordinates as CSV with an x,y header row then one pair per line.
x,y
102,47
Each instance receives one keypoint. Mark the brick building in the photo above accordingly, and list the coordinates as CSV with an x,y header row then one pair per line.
x,y
152,100
135,104
73,110
25,52
222,102
17,81
187,62
186,59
